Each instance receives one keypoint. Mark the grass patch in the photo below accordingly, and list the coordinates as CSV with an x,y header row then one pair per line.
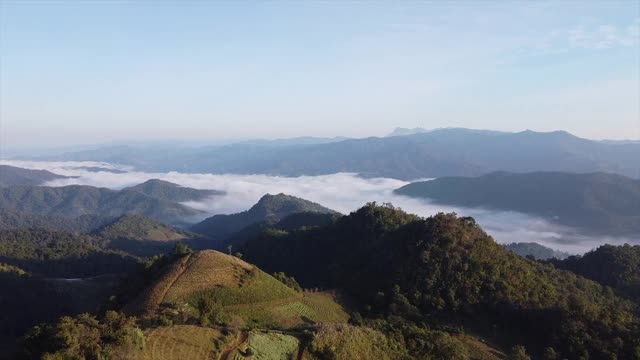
x,y
257,287
273,346
312,308
346,342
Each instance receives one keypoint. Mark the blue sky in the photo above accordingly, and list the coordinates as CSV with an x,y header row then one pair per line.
x,y
98,71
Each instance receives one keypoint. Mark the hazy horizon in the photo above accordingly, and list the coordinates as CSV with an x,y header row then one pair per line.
x,y
198,71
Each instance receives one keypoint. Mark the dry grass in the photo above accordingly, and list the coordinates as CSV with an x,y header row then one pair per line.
x,y
351,343
181,342
199,271
207,270
292,312
151,298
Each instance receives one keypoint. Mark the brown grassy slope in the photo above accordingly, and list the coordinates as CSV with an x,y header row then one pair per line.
x,y
202,270
206,270
180,342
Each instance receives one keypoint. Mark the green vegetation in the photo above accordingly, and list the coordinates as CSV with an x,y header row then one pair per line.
x,y
85,337
61,254
290,281
272,346
76,200
614,266
345,342
447,271
269,209
12,220
601,203
165,190
11,176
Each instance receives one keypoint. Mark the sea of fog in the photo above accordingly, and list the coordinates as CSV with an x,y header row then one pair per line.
x,y
343,192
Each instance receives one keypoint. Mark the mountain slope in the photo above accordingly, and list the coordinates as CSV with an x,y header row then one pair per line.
x,y
614,266
77,200
138,227
241,289
165,190
437,153
11,175
602,203
270,209
83,224
447,269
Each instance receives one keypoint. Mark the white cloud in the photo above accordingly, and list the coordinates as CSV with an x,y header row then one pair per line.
x,y
342,192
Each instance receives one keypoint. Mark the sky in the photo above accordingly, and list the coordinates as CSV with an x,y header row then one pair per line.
x,y
87,72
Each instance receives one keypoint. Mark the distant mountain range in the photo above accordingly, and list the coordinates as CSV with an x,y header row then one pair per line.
x,y
602,203
435,153
11,176
156,199
269,209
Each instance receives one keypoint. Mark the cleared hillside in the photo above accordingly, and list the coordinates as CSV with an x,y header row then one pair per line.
x,y
243,290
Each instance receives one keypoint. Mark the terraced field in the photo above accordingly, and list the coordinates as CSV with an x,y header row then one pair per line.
x,y
182,342
291,312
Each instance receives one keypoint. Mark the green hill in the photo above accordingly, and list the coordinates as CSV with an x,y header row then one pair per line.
x,y
141,236
138,227
244,292
77,200
614,266
11,176
54,253
165,190
83,224
269,209
445,270
598,202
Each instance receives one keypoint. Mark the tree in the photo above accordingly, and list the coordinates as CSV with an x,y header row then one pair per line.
x,y
518,352
181,249
210,311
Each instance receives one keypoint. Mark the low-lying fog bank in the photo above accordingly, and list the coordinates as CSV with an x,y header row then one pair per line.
x,y
343,192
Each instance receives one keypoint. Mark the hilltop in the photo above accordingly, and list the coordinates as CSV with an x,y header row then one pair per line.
x,y
11,175
269,209
141,228
141,236
246,293
77,200
165,190
598,202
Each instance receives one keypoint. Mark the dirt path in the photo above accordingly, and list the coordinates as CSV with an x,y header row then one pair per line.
x,y
244,336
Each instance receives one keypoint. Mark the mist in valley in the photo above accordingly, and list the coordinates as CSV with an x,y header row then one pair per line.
x,y
343,192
